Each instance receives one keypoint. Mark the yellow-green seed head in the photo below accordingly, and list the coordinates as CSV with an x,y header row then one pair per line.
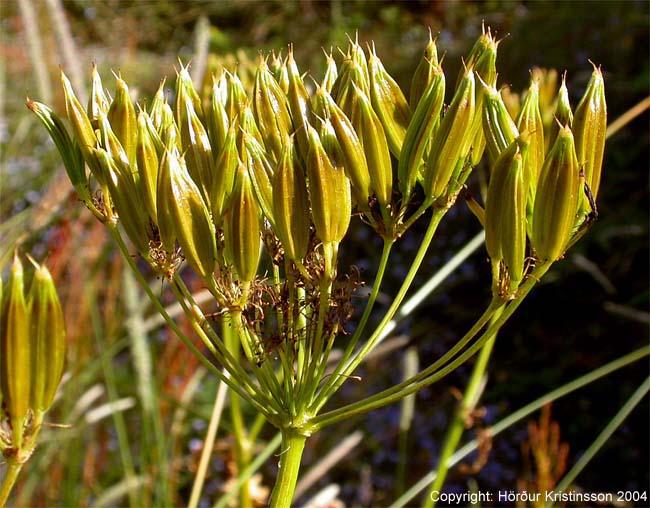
x,y
224,176
299,105
498,128
216,117
260,172
530,120
123,120
426,71
98,101
148,162
185,90
331,73
196,149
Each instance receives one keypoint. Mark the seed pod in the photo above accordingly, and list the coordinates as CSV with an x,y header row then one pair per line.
x,y
557,199
358,57
98,101
345,91
530,120
499,129
271,111
47,337
389,103
505,217
424,74
110,143
331,73
224,177
375,147
15,370
147,158
298,104
260,173
563,114
185,90
419,133
183,215
197,149
451,143
291,206
236,101
356,166
68,148
242,228
590,126
158,117
121,116
126,197
216,118
329,193
81,126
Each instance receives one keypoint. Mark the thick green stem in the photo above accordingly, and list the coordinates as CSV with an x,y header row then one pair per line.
x,y
13,470
455,430
293,444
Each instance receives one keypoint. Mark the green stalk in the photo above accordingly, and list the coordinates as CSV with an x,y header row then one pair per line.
x,y
602,438
293,444
13,470
522,413
455,430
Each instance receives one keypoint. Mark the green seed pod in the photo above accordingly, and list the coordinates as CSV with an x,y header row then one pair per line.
x,y
499,129
356,166
291,206
73,160
98,101
298,104
451,142
271,110
358,57
185,90
260,173
556,201
530,120
127,198
197,150
236,101
563,113
329,193
345,92
389,103
47,336
331,73
505,218
217,118
242,228
110,143
15,360
147,158
419,133
590,126
121,116
224,177
375,147
81,127
428,68
156,109
183,215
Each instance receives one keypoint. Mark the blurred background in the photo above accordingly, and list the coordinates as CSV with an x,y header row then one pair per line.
x,y
122,386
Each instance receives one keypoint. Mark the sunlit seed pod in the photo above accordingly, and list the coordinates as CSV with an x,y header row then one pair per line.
x,y
109,141
182,209
331,73
236,100
389,103
563,113
329,193
291,206
557,199
47,337
248,126
147,156
156,108
185,90
530,120
505,214
197,150
127,198
271,110
498,127
224,176
242,228
425,120
299,104
217,119
98,102
283,78
358,57
345,96
260,172
15,358
123,120
590,126
68,148
356,166
81,127
451,142
426,71
375,146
